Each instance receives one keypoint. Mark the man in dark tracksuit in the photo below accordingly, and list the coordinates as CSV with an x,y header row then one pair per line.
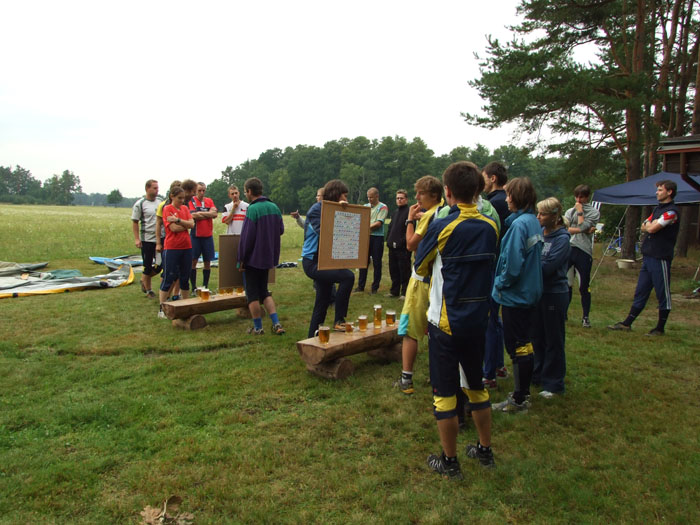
x,y
662,230
399,256
495,177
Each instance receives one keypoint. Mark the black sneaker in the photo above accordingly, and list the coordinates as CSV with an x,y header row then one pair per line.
x,y
485,457
585,322
654,332
451,471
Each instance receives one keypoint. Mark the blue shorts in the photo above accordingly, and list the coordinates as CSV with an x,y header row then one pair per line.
x,y
203,246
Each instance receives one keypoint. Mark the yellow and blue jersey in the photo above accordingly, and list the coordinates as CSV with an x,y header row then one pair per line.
x,y
461,248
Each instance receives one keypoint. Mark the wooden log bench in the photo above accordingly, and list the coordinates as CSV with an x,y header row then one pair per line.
x,y
328,360
189,313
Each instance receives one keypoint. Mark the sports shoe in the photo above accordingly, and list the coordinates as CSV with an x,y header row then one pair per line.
x,y
358,289
585,322
619,327
405,385
547,394
490,383
161,313
256,331
339,327
451,471
151,294
510,406
654,332
391,295
277,329
402,297
485,457
175,298
502,372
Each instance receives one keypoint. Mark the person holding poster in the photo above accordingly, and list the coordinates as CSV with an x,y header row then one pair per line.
x,y
335,191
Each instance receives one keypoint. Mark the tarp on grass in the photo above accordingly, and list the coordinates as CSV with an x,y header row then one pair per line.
x,y
642,192
23,280
137,261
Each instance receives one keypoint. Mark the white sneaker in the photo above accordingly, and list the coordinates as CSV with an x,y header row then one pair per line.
x,y
547,394
161,313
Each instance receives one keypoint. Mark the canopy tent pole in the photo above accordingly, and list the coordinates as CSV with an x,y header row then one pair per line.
x,y
602,255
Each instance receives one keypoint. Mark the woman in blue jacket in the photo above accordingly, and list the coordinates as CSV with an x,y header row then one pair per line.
x,y
517,286
549,333
335,191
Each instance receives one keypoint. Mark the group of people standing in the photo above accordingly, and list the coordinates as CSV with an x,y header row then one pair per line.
x,y
181,229
474,258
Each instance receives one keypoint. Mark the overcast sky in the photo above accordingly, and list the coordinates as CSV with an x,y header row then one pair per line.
x,y
120,92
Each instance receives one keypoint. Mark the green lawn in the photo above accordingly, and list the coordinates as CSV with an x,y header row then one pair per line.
x,y
105,409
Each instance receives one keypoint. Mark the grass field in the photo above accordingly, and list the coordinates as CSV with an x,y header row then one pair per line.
x,y
105,409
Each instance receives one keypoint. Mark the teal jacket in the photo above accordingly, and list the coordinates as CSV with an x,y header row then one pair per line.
x,y
518,281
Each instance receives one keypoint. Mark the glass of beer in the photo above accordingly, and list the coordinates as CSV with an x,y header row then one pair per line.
x,y
239,289
377,315
362,323
204,294
348,327
324,334
390,317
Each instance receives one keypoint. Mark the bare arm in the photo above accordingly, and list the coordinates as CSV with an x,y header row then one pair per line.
x,y
135,229
412,238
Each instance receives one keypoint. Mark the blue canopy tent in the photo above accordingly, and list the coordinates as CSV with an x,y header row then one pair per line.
x,y
642,192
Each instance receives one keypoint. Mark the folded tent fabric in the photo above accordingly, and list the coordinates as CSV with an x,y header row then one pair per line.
x,y
21,280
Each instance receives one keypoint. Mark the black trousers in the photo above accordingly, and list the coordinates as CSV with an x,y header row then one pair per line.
x,y
324,280
376,250
399,270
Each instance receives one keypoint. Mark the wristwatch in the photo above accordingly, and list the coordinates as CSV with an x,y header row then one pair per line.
x,y
411,222
579,213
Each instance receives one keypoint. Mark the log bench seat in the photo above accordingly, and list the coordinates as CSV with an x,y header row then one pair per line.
x,y
328,360
189,313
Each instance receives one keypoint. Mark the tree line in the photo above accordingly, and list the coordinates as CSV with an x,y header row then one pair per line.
x,y
291,176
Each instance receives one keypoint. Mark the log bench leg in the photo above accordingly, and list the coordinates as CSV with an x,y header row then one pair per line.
x,y
337,369
194,322
388,353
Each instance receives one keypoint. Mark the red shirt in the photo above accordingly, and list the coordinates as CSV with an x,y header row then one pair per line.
x,y
176,240
203,227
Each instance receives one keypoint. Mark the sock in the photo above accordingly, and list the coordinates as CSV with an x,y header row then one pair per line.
x,y
449,460
482,448
663,317
275,320
406,375
193,279
634,312
257,322
205,278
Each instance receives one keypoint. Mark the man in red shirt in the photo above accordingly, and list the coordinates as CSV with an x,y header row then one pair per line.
x,y
203,211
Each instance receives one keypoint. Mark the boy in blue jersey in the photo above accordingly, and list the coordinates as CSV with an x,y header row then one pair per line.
x,y
461,249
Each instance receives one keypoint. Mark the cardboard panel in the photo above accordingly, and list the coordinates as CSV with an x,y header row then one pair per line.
x,y
344,239
229,275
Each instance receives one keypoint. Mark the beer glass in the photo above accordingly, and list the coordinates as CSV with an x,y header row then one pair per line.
x,y
324,334
204,294
362,323
377,315
390,317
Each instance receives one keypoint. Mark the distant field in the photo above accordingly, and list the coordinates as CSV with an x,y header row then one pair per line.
x,y
105,409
